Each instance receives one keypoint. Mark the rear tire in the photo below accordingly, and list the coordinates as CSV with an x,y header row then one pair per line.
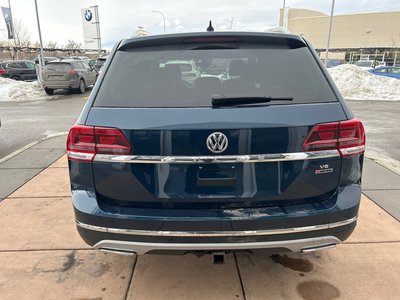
x,y
49,91
82,87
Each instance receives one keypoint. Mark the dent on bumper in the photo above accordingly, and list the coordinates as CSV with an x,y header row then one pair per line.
x,y
147,230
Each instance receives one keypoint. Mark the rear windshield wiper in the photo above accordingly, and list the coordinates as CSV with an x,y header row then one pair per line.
x,y
219,100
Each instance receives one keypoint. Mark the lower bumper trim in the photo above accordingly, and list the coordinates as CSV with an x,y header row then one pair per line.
x,y
299,245
216,233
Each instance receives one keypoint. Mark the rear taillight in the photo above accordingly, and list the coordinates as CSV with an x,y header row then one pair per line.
x,y
71,72
3,71
84,142
348,137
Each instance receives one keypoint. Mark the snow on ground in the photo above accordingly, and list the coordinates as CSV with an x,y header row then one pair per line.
x,y
12,90
357,84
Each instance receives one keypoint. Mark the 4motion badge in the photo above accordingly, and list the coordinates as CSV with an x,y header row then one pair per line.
x,y
323,169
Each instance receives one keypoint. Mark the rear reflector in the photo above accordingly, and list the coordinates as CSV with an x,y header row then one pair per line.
x,y
84,142
348,137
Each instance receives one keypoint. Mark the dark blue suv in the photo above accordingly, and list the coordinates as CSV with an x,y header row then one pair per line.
x,y
258,151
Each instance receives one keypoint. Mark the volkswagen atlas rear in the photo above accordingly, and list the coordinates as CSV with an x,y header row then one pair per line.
x,y
258,151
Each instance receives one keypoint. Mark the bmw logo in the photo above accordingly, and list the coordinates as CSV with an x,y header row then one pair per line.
x,y
88,15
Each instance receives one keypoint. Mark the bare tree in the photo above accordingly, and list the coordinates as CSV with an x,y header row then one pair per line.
x,y
72,45
230,24
22,37
51,45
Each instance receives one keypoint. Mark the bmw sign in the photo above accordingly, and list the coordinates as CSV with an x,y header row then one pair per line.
x,y
88,15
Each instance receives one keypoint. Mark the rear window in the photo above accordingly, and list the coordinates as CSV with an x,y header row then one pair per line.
x,y
149,77
58,67
17,65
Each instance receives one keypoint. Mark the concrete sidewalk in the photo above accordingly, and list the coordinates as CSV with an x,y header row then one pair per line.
x,y
19,169
42,256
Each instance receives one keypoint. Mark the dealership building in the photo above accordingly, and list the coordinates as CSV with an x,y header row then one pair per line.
x,y
354,36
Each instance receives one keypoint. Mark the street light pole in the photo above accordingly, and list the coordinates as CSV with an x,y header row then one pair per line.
x,y
41,43
157,11
329,32
282,21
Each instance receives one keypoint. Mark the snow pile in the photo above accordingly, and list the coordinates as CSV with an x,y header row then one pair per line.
x,y
357,84
12,90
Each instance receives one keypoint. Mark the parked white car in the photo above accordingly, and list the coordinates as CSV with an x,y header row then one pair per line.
x,y
367,64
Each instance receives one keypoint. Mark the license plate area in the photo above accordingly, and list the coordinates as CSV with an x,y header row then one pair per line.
x,y
216,176
56,77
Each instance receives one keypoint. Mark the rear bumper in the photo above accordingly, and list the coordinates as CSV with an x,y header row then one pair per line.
x,y
291,243
299,245
293,228
72,84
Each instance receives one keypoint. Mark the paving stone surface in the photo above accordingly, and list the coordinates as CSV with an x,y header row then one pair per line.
x,y
38,223
72,274
389,200
367,271
184,277
52,182
12,179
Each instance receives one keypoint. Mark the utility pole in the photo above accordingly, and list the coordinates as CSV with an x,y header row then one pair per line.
x,y
41,65
329,32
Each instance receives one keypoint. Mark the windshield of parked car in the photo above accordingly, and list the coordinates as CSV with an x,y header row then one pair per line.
x,y
152,77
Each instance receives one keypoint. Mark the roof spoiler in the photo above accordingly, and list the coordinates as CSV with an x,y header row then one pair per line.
x,y
292,41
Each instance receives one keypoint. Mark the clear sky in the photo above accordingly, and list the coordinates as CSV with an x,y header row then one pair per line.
x,y
61,19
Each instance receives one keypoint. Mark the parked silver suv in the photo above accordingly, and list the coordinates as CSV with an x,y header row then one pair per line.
x,y
67,74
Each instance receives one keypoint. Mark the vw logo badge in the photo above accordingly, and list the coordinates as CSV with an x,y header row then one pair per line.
x,y
88,15
217,142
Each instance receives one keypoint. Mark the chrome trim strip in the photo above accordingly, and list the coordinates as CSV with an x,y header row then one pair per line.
x,y
298,245
251,158
80,155
353,150
216,233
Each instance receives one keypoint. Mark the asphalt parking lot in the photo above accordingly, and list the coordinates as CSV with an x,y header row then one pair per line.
x,y
26,122
382,122
42,256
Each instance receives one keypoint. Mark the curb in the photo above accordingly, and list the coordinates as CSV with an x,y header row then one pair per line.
x,y
384,161
30,145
